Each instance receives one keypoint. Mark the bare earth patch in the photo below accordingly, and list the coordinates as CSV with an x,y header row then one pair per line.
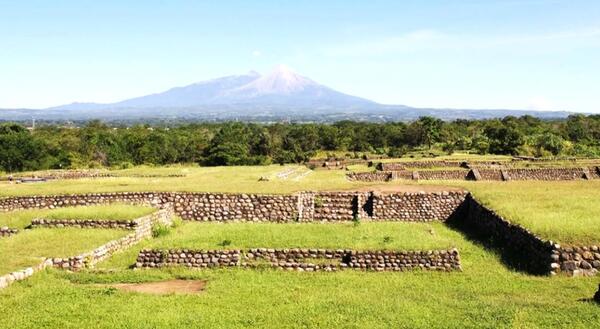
x,y
163,287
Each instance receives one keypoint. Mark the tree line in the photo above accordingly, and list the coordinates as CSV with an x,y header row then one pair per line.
x,y
97,144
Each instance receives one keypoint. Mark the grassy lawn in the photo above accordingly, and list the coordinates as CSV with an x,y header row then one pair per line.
x,y
201,179
21,219
484,295
29,247
567,212
365,236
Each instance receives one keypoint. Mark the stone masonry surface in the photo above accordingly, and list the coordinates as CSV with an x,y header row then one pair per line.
x,y
303,259
303,206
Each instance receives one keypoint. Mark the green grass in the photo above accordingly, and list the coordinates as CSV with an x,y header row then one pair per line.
x,y
567,212
365,236
201,179
484,295
28,248
22,218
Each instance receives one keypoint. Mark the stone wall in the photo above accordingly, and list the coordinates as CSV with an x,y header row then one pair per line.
x,y
391,166
521,247
239,207
416,206
84,223
376,176
443,174
337,206
577,260
141,231
7,231
303,259
303,206
7,279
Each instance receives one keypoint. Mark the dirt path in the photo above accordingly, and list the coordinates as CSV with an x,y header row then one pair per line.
x,y
163,287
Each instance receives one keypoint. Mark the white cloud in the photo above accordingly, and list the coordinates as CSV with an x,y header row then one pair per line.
x,y
256,53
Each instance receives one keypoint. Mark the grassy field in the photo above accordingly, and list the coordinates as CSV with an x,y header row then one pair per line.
x,y
30,247
485,294
567,212
221,179
22,219
365,236
561,211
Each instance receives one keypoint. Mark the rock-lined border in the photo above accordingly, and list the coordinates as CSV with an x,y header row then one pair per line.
x,y
89,259
303,259
7,231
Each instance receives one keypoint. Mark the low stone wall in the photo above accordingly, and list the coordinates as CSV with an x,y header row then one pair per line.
x,y
7,279
433,164
416,206
84,223
7,231
302,259
547,174
443,174
525,250
391,166
338,206
302,206
501,174
142,230
377,176
577,260
235,207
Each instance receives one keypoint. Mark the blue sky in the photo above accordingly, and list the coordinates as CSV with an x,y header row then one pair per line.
x,y
528,54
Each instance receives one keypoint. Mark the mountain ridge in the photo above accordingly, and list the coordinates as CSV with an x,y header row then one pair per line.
x,y
281,94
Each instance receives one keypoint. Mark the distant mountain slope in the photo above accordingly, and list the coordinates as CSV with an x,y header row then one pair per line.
x,y
280,95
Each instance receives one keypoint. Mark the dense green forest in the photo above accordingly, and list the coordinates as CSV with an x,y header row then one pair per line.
x,y
97,144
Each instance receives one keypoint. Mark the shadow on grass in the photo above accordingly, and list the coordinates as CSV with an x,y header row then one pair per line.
x,y
511,256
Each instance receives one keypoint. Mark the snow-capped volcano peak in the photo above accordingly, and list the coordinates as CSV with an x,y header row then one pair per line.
x,y
282,80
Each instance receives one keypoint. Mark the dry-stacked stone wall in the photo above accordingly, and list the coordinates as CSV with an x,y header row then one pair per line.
x,y
443,174
338,206
7,231
235,207
577,260
416,206
524,248
391,166
303,206
547,174
84,223
303,259
376,176
68,200
142,230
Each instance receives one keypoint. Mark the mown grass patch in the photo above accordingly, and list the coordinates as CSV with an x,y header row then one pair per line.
x,y
484,295
22,218
30,247
566,211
